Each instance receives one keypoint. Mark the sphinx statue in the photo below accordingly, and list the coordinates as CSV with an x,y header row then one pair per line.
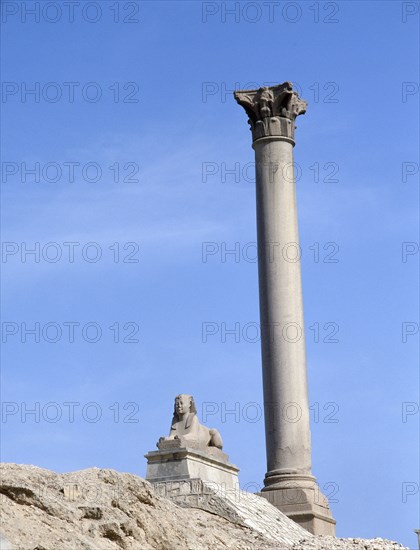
x,y
190,456
186,430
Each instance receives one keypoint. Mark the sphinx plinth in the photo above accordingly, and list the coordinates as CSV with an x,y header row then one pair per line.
x,y
178,463
289,483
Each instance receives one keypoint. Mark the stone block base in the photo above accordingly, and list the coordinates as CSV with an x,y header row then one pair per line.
x,y
182,463
238,507
299,497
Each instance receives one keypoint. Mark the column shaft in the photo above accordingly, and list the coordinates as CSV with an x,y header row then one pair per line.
x,y
281,310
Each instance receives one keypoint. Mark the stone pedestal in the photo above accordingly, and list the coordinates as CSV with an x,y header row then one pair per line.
x,y
176,463
272,113
299,497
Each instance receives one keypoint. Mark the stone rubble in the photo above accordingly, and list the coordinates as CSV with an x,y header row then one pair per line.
x,y
332,543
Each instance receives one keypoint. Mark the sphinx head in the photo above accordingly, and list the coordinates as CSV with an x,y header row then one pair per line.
x,y
184,404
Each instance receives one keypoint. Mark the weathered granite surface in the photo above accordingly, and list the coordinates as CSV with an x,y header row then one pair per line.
x,y
98,509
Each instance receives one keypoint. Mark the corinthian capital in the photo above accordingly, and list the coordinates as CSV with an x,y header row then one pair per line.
x,y
272,110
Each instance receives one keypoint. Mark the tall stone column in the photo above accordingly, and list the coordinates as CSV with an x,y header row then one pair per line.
x,y
288,484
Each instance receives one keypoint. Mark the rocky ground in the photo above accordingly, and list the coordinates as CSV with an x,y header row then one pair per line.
x,y
98,509
331,543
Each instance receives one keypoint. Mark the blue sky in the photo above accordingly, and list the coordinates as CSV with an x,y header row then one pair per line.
x,y
165,118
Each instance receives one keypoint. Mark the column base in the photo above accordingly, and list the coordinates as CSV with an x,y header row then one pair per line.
x,y
299,498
